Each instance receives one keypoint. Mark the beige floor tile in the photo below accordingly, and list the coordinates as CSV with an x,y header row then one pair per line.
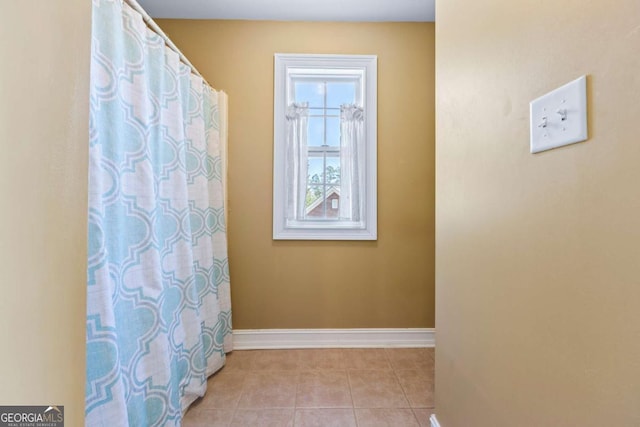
x,y
326,358
263,418
366,358
223,390
418,387
376,389
207,418
323,389
389,417
325,418
411,358
423,416
431,352
274,360
269,390
227,376
318,388
195,406
238,360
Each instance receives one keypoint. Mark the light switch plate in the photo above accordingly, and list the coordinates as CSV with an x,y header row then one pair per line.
x,y
559,117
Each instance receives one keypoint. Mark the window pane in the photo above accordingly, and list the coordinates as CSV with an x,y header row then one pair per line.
x,y
314,172
311,92
315,203
333,170
314,193
333,202
321,206
333,131
341,93
315,137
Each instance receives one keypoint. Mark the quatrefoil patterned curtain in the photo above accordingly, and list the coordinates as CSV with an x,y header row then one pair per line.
x,y
158,303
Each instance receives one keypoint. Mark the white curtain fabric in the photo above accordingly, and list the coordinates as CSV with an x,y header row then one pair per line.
x,y
351,206
297,116
158,295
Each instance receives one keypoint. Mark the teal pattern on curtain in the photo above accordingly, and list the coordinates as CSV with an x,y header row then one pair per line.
x,y
158,300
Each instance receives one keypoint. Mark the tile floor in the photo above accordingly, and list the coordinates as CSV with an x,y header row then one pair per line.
x,y
323,388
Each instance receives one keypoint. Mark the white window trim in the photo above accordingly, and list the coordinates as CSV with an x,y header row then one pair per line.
x,y
325,230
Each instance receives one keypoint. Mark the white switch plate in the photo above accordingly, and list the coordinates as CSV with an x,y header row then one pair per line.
x,y
548,129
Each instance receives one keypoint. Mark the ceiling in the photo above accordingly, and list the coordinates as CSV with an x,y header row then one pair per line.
x,y
294,10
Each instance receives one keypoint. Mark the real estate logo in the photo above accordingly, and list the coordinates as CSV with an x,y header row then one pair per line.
x,y
32,416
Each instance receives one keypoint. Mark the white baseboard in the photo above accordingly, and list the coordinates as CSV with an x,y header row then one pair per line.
x,y
434,421
254,339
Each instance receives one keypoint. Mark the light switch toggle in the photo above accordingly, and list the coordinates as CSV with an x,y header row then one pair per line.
x,y
543,124
563,113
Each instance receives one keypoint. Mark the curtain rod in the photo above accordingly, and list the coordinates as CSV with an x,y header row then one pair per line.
x,y
156,29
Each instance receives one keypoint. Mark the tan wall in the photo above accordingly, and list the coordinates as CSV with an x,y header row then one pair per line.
x,y
538,256
44,94
292,284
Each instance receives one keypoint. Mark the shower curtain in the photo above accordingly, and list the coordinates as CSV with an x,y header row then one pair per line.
x,y
158,303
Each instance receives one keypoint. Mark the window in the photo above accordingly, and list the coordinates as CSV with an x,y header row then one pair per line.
x,y
324,147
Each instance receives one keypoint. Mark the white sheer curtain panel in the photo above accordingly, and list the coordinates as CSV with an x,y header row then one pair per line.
x,y
351,162
297,116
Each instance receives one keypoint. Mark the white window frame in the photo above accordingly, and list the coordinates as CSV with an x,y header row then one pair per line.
x,y
285,65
